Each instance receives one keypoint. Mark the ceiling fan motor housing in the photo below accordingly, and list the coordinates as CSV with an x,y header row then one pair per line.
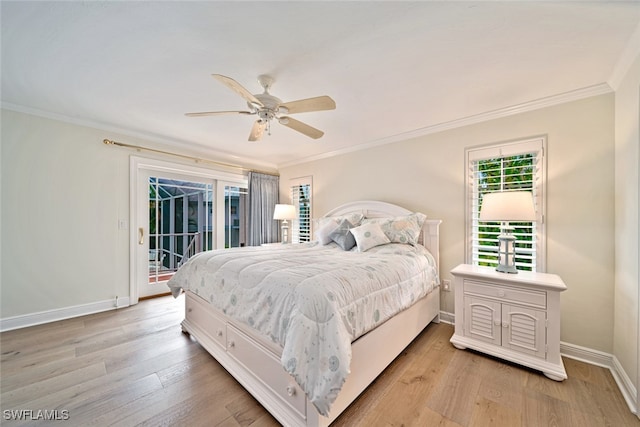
x,y
270,105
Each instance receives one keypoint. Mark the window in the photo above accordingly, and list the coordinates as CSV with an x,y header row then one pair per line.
x,y
506,167
301,199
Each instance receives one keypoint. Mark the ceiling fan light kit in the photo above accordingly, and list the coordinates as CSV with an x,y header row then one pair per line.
x,y
268,107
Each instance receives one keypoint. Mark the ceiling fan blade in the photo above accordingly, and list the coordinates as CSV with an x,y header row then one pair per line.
x,y
216,113
257,130
238,88
319,103
303,128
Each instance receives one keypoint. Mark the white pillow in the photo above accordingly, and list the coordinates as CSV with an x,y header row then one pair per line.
x,y
322,235
401,229
368,236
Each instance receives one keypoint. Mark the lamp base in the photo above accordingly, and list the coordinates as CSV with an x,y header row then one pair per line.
x,y
506,250
511,269
285,232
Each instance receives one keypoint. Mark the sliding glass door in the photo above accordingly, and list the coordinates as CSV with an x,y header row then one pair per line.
x,y
177,212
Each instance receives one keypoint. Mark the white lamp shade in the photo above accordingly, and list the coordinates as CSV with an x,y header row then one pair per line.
x,y
512,206
284,212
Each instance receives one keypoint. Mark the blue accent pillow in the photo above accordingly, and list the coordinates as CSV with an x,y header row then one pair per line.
x,y
342,236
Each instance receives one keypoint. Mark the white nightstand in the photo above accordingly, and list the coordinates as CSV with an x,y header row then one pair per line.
x,y
515,317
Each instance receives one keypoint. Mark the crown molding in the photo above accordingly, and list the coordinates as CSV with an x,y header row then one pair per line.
x,y
629,54
562,98
192,147
537,104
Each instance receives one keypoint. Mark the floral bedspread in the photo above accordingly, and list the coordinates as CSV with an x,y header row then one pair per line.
x,y
312,300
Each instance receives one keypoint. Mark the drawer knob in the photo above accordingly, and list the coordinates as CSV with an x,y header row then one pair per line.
x,y
232,344
505,325
219,333
501,293
190,310
291,391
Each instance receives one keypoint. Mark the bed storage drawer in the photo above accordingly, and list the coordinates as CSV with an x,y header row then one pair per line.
x,y
266,367
198,313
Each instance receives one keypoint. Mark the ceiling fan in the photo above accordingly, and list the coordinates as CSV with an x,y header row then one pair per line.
x,y
267,107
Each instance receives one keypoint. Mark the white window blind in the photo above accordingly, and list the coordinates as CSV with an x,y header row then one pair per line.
x,y
301,199
516,166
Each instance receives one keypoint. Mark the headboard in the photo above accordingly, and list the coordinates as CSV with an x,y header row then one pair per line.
x,y
429,237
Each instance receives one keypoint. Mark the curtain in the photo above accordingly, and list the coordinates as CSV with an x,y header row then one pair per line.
x,y
263,197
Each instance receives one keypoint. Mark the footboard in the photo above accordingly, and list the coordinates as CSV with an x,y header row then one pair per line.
x,y
256,365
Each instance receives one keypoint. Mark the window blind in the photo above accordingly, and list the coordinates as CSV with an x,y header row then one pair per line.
x,y
301,199
506,167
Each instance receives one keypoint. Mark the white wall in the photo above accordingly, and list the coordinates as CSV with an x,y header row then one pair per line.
x,y
63,192
427,174
63,195
627,163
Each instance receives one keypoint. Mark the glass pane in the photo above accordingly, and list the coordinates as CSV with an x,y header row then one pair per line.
x,y
235,199
180,224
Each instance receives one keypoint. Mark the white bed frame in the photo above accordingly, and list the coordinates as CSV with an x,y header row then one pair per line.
x,y
255,362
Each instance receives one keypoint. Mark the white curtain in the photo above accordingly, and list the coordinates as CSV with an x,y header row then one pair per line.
x,y
263,197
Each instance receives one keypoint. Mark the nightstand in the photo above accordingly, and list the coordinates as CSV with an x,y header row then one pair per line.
x,y
514,317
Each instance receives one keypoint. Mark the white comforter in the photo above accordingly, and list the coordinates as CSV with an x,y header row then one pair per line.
x,y
312,300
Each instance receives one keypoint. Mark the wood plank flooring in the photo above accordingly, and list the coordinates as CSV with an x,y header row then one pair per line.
x,y
134,366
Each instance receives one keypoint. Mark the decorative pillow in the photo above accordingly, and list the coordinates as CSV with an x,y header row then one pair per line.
x,y
402,229
368,236
323,234
355,219
342,236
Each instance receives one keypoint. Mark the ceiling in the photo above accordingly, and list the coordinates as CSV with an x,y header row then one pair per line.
x,y
394,68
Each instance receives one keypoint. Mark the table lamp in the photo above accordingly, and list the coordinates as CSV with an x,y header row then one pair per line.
x,y
514,206
284,213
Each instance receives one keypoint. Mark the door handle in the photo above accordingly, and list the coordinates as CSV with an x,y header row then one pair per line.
x,y
141,236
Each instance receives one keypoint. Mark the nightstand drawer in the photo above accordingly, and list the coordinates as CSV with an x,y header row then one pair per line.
x,y
506,294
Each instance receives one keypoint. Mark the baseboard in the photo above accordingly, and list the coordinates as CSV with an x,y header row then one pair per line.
x,y
448,318
625,385
588,355
609,361
32,319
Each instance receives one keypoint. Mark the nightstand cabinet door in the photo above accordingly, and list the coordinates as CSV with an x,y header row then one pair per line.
x,y
524,330
483,319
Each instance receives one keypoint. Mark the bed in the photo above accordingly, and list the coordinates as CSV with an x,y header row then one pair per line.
x,y
290,323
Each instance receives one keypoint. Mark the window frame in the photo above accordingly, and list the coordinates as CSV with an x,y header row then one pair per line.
x,y
537,145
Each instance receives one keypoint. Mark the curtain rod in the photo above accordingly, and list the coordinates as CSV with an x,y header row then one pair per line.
x,y
184,156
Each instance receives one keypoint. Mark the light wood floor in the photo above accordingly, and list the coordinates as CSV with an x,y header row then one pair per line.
x,y
134,366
